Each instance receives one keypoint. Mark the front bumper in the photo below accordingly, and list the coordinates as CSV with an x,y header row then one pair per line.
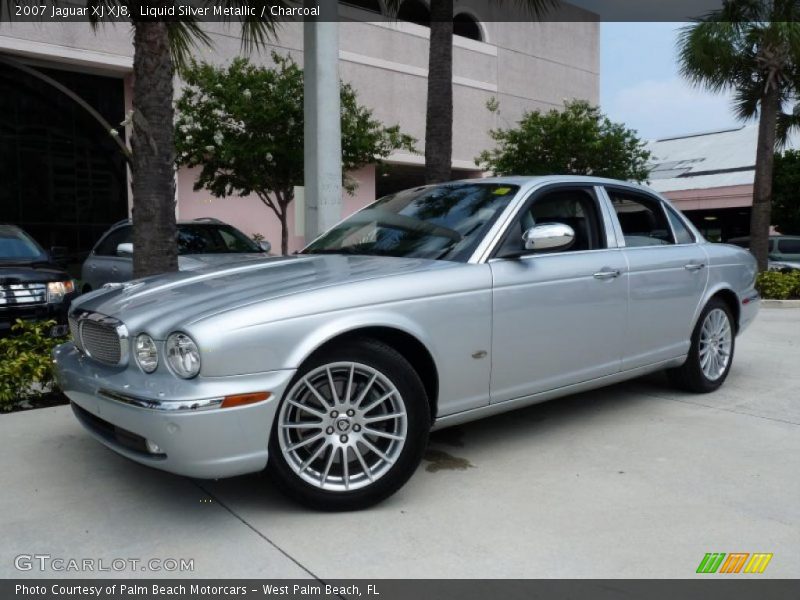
x,y
205,443
37,312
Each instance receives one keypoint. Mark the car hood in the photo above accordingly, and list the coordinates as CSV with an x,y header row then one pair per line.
x,y
30,272
192,262
161,302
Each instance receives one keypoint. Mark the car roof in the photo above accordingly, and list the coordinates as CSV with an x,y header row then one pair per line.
x,y
200,221
529,181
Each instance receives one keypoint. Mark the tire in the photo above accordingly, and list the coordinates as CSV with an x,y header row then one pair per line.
x,y
711,353
379,422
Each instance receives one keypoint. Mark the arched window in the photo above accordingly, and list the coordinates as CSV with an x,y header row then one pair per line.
x,y
466,26
415,11
370,5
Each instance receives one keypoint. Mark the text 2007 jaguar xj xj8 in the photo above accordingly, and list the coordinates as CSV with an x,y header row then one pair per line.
x,y
430,307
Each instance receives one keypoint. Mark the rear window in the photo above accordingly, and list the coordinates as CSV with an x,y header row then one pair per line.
x,y
213,239
682,233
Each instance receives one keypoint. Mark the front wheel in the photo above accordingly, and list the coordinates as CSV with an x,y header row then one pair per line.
x,y
351,429
711,353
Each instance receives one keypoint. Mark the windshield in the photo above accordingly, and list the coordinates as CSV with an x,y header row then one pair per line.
x,y
213,239
15,244
440,222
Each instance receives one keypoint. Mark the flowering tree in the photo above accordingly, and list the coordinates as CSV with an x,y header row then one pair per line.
x,y
243,126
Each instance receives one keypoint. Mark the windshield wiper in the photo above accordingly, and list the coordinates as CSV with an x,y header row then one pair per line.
x,y
346,250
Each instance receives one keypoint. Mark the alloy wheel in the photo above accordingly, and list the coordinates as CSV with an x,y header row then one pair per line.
x,y
342,426
715,344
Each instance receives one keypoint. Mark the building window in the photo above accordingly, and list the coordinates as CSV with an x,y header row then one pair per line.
x,y
62,177
466,26
415,11
369,5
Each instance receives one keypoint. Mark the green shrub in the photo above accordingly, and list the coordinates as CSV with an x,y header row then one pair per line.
x,y
26,369
775,285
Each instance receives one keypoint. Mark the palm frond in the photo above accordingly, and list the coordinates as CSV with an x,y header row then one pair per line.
x,y
259,28
787,122
534,8
183,37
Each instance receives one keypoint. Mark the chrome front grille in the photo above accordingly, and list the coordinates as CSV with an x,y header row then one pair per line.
x,y
100,337
23,294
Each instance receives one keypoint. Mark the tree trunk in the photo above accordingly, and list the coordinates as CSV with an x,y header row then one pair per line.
x,y
439,116
152,167
762,185
284,234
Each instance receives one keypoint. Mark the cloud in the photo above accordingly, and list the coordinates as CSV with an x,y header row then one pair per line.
x,y
663,108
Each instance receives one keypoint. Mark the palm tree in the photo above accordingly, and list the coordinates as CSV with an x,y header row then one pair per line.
x,y
159,48
751,47
439,110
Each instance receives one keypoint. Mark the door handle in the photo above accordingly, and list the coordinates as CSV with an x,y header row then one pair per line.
x,y
607,274
694,266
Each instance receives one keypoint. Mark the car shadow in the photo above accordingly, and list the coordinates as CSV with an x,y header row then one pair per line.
x,y
449,449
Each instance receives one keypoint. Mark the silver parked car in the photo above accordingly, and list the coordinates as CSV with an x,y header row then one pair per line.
x,y
201,242
429,308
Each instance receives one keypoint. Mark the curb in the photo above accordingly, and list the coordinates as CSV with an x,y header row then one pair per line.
x,y
780,303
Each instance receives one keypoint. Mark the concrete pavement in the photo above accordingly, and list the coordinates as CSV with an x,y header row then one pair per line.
x,y
635,480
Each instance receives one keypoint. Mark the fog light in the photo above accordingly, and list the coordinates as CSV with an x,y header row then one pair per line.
x,y
153,448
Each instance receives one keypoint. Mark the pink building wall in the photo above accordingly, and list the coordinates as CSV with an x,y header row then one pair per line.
x,y
732,196
251,216
248,213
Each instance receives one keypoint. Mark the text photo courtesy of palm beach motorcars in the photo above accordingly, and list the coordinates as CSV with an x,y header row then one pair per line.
x,y
384,291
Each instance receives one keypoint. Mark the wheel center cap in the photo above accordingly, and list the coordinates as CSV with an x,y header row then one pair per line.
x,y
343,425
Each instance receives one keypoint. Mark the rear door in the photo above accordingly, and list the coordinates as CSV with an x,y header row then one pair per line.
x,y
667,277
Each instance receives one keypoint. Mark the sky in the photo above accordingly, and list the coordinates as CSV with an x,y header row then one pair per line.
x,y
640,84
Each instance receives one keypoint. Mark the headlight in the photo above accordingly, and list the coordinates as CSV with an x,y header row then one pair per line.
x,y
56,290
183,356
146,353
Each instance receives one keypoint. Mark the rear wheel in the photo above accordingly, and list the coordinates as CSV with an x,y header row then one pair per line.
x,y
351,429
711,353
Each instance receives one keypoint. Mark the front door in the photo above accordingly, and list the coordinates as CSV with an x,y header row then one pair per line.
x,y
559,316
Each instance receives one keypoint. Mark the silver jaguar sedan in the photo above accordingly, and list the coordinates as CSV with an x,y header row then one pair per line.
x,y
429,308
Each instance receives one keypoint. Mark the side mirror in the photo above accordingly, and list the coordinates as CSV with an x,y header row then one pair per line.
x,y
265,245
59,254
125,249
549,236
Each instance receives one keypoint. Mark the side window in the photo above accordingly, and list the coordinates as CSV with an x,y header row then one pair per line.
x,y
789,246
108,247
576,208
642,219
682,233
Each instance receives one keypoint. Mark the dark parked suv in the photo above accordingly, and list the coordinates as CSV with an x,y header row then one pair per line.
x,y
32,286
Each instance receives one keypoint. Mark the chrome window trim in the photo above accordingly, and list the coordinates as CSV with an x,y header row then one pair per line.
x,y
159,405
610,221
